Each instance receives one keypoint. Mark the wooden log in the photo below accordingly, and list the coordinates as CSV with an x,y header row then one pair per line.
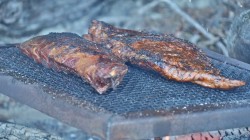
x,y
10,131
239,37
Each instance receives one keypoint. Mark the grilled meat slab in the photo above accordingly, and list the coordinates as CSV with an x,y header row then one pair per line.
x,y
69,52
173,58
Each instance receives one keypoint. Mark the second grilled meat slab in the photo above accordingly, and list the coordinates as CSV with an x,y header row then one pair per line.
x,y
69,52
171,57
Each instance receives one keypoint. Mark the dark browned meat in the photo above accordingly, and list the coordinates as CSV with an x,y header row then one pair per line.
x,y
172,57
69,52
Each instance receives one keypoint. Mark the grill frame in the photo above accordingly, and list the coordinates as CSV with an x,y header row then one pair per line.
x,y
133,125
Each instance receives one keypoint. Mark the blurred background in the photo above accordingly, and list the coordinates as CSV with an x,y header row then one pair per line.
x,y
221,26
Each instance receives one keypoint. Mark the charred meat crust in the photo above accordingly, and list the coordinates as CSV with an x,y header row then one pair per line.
x,y
69,52
172,57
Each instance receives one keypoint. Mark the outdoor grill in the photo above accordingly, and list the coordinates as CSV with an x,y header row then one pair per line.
x,y
144,105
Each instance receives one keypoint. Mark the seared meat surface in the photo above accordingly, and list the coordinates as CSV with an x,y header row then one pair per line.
x,y
69,52
173,58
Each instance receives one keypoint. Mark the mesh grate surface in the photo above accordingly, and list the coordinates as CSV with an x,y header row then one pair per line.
x,y
140,90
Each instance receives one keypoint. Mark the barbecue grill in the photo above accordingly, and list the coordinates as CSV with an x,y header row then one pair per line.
x,y
144,105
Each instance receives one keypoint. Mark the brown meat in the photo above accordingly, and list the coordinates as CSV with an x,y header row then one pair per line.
x,y
172,57
69,52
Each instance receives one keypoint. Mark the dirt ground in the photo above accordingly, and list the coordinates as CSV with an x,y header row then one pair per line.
x,y
21,20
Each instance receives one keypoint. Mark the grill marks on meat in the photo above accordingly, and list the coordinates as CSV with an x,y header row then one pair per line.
x,y
171,57
102,64
69,52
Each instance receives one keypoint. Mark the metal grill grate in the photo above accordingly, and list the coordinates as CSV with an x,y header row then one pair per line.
x,y
140,90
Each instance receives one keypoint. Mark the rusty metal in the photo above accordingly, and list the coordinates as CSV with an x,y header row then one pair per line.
x,y
129,112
